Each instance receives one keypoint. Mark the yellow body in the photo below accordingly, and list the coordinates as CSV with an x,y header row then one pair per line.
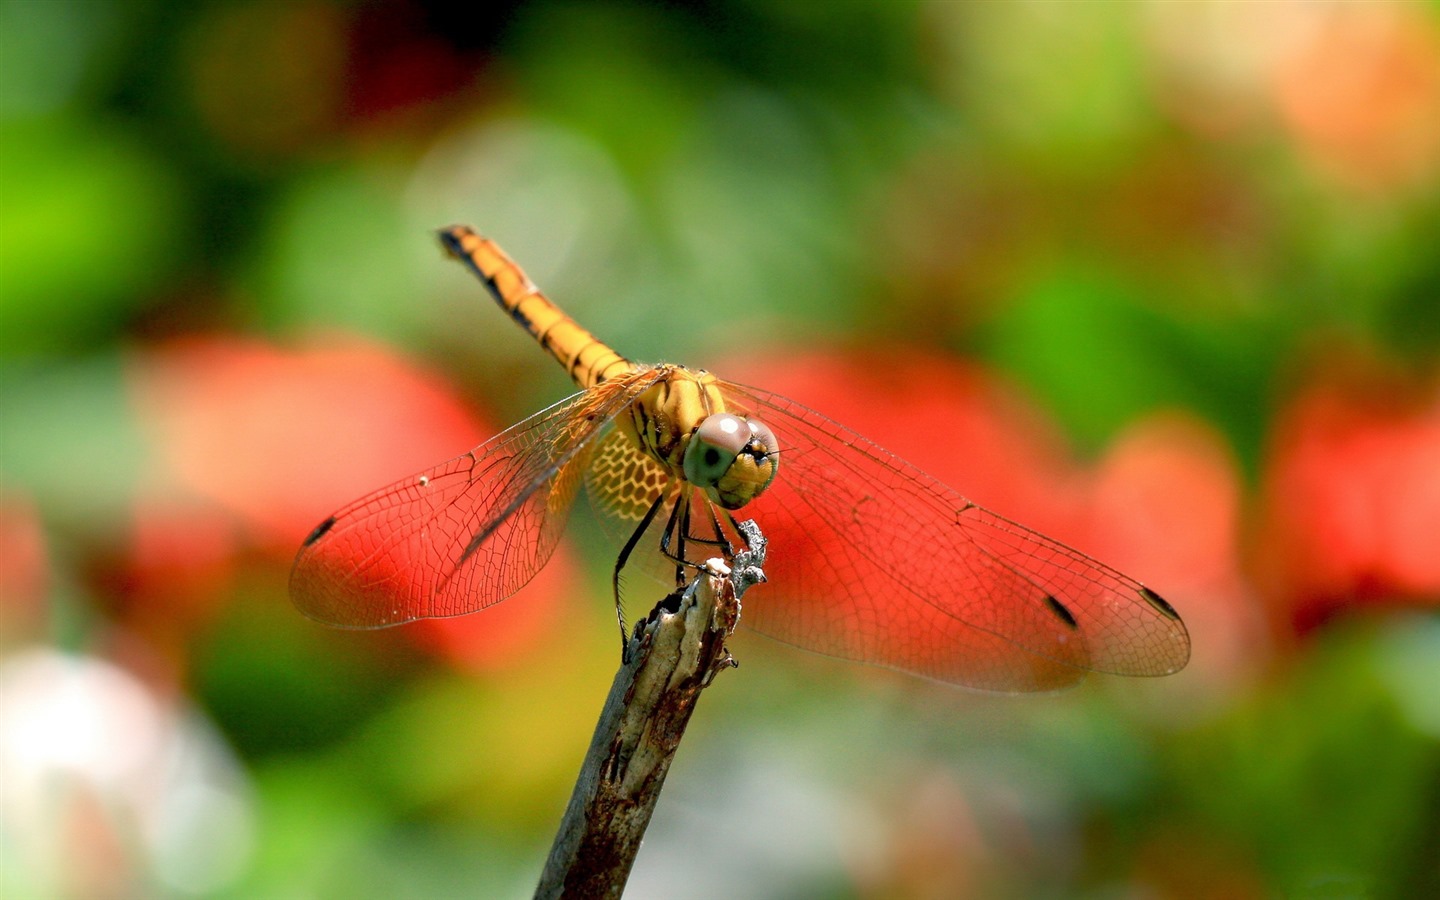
x,y
586,359
662,420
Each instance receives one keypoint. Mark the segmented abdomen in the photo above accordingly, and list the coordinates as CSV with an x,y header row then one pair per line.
x,y
586,359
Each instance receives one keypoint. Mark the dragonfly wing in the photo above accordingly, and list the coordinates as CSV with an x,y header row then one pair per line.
x,y
623,483
465,534
871,559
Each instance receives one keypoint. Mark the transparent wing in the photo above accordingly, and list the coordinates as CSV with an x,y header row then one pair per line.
x,y
873,560
465,534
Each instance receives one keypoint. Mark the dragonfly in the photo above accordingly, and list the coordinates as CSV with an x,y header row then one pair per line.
x,y
870,559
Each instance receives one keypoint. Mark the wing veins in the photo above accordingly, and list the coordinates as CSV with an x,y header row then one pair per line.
x,y
1094,590
595,426
909,587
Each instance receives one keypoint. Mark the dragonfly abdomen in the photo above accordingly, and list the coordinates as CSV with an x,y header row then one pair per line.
x,y
587,360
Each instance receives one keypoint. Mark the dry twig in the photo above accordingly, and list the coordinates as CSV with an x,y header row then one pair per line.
x,y
673,655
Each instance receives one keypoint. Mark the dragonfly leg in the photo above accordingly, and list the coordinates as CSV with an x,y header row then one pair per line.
x,y
623,558
679,525
684,531
720,539
744,533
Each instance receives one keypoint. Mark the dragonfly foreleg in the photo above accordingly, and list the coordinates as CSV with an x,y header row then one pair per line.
x,y
680,528
677,533
679,525
745,533
720,539
624,557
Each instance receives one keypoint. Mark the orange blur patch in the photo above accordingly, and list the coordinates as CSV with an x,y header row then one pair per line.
x,y
932,844
24,570
1359,89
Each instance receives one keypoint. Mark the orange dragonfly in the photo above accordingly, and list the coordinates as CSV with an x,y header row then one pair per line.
x,y
870,558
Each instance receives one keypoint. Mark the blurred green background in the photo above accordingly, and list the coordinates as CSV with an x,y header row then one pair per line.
x,y
1159,278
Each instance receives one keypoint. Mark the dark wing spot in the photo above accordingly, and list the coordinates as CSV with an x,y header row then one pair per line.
x,y
1061,612
320,531
1159,603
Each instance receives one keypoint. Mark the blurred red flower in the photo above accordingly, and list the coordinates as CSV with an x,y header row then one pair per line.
x,y
1168,483
254,445
279,438
1162,505
1351,499
951,418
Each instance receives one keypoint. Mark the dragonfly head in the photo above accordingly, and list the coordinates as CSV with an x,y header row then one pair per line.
x,y
732,459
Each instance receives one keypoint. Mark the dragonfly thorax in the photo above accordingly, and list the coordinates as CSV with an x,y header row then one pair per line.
x,y
682,422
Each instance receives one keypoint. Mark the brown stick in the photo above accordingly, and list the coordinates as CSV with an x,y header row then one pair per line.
x,y
673,655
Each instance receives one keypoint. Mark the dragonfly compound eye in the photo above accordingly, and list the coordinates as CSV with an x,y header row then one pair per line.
x,y
732,459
